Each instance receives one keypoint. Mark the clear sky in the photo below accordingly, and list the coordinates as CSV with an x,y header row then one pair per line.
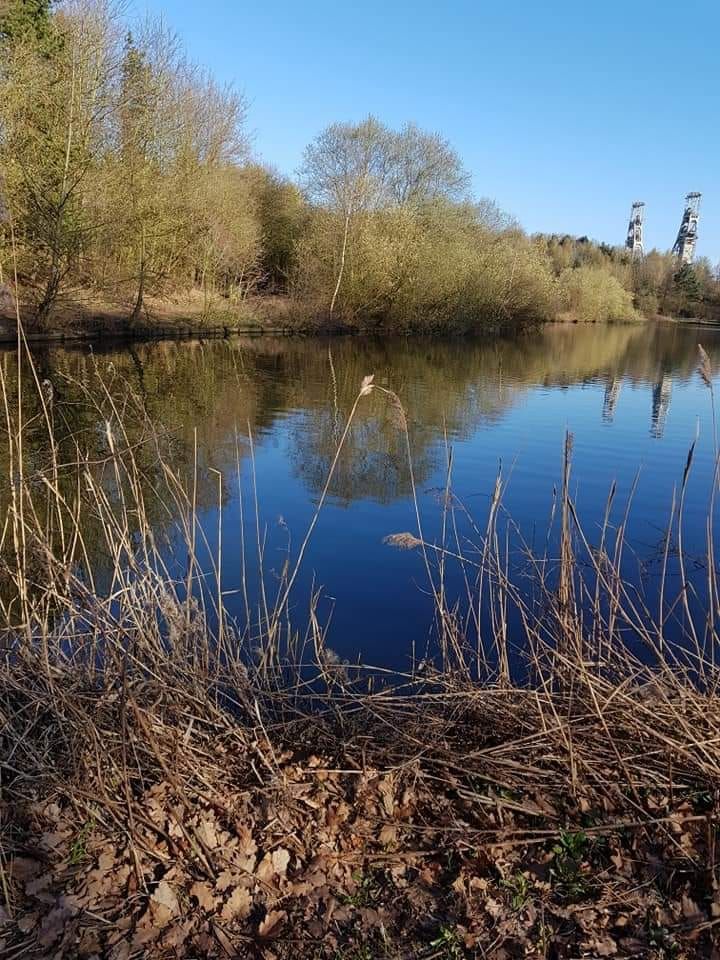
x,y
564,112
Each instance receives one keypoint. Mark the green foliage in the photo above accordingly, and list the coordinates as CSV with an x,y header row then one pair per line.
x,y
567,869
434,266
367,891
591,293
78,849
448,944
356,953
49,145
126,176
28,21
686,282
518,887
662,941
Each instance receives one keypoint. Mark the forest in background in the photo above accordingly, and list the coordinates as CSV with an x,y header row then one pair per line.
x,y
129,193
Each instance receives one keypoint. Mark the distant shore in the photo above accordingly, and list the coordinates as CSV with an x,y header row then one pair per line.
x,y
178,319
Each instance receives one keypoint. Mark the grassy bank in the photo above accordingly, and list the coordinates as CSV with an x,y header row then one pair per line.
x,y
88,318
176,784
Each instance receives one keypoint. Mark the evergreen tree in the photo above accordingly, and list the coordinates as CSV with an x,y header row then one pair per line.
x,y
687,284
29,21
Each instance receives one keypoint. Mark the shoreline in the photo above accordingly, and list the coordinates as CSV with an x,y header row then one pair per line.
x,y
186,329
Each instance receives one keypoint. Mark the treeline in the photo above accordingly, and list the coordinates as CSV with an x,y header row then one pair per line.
x,y
657,283
128,185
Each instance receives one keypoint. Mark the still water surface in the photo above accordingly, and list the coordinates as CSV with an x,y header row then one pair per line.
x,y
630,395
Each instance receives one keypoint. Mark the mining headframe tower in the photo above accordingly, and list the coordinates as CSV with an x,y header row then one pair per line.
x,y
634,241
684,248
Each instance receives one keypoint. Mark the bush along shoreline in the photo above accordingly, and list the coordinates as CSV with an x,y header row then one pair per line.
x,y
130,199
176,784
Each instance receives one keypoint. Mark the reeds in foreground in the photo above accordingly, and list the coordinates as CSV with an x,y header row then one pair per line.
x,y
176,784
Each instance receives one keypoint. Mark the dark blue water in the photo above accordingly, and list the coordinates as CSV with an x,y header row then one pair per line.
x,y
274,411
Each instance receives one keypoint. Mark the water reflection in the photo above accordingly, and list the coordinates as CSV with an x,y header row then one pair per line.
x,y
206,399
612,392
218,404
661,396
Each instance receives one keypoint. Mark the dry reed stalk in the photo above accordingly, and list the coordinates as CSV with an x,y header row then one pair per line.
x,y
103,690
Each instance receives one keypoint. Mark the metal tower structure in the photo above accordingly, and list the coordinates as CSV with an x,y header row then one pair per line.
x,y
684,248
634,241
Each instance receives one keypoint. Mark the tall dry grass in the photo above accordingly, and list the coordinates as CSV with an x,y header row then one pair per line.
x,y
106,683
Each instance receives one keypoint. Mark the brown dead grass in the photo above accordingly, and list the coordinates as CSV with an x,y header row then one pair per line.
x,y
168,793
155,818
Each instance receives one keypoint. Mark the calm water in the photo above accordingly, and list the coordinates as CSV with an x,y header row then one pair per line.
x,y
629,394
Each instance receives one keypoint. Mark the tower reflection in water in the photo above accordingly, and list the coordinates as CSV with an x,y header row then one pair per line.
x,y
661,397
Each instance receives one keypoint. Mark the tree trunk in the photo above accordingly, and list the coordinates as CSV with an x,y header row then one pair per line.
x,y
49,296
342,261
140,300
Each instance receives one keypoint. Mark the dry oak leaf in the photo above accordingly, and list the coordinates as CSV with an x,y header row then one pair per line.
x,y
265,869
207,833
226,880
52,926
28,922
246,841
23,869
203,892
272,924
280,861
690,909
388,835
177,934
35,886
238,906
164,895
386,789
121,951
273,865
164,904
606,947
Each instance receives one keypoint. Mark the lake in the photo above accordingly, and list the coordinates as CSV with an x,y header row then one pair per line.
x,y
265,415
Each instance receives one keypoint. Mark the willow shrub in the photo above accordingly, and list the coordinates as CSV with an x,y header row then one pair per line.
x,y
593,294
435,266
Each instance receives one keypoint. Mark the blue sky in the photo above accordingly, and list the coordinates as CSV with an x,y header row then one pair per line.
x,y
563,112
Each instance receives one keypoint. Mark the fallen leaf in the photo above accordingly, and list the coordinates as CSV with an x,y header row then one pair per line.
x,y
207,833
238,906
606,947
35,886
388,834
272,924
690,909
225,880
52,926
164,904
386,789
121,951
280,861
246,843
23,869
204,894
28,922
